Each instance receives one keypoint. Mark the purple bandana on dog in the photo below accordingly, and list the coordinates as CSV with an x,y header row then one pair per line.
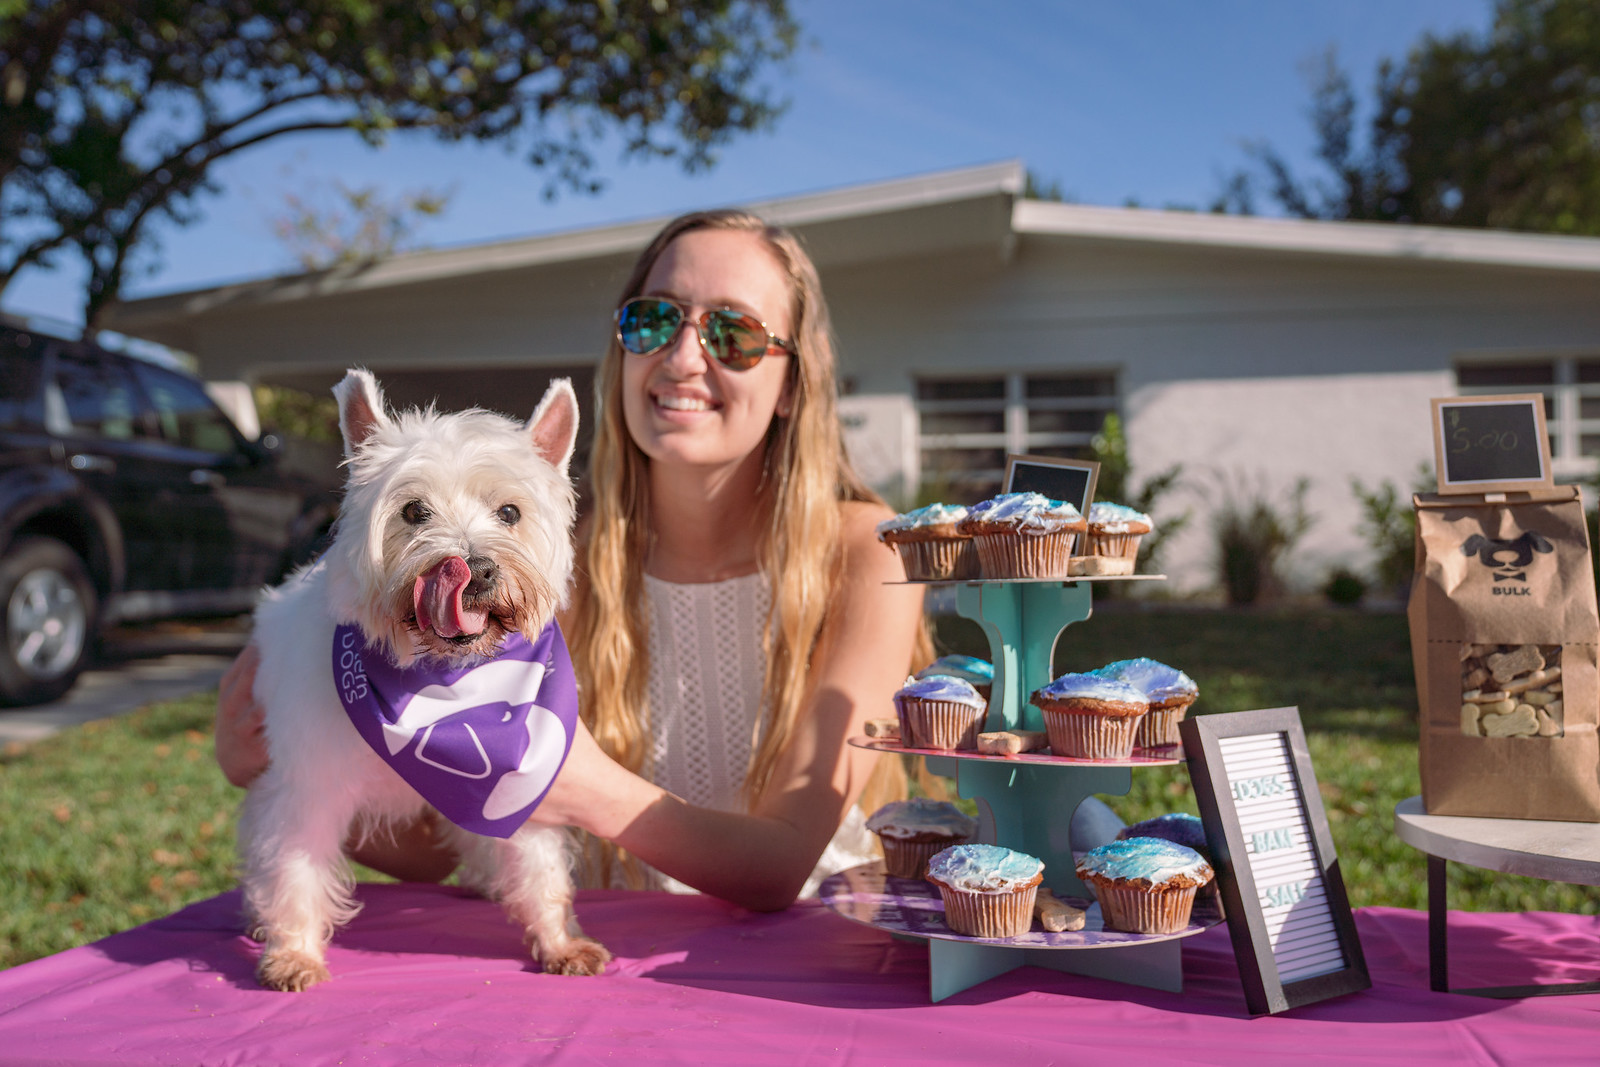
x,y
481,744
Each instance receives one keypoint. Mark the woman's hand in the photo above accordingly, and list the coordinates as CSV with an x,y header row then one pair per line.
x,y
241,739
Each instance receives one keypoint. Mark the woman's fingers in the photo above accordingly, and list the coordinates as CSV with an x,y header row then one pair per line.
x,y
241,742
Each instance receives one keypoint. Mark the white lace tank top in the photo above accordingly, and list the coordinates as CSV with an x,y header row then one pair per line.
x,y
707,667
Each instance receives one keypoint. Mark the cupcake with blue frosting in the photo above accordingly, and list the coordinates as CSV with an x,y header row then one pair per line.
x,y
1145,885
939,712
1090,716
1169,691
988,890
1023,535
978,673
1115,530
930,546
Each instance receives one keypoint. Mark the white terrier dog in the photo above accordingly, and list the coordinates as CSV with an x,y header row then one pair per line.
x,y
452,554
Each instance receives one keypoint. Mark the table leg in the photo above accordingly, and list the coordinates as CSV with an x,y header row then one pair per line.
x,y
1439,959
1438,927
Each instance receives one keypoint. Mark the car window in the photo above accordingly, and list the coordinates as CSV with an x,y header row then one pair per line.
x,y
98,396
21,360
186,413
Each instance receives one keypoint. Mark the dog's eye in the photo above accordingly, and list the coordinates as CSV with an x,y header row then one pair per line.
x,y
509,514
415,512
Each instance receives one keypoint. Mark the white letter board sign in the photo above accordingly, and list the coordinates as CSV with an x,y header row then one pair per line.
x,y
1293,933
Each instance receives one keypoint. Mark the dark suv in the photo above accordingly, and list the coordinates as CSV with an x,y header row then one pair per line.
x,y
125,494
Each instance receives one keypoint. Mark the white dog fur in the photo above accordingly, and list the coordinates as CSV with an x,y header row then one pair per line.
x,y
323,783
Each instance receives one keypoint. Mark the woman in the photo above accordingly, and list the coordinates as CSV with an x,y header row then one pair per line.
x,y
724,510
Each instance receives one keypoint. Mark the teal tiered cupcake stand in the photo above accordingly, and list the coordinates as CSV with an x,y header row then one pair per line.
x,y
1025,803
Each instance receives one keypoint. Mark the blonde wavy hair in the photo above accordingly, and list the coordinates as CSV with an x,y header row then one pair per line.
x,y
805,477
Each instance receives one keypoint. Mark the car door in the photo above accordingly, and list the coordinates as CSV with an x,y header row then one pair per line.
x,y
111,444
246,538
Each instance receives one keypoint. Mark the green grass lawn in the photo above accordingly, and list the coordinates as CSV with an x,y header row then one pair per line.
x,y
117,822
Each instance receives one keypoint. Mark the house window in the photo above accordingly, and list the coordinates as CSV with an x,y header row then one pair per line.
x,y
1571,388
968,424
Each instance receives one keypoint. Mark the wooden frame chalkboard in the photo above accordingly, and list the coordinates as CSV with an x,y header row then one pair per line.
x,y
1293,932
1484,444
1071,480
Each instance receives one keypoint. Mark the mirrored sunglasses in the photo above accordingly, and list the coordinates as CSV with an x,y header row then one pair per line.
x,y
647,324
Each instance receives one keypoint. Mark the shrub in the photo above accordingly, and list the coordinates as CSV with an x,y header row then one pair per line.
x,y
1254,533
1344,586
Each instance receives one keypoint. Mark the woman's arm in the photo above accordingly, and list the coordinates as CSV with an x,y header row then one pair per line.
x,y
762,859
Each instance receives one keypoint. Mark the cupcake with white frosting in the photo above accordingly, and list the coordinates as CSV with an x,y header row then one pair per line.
x,y
939,712
1169,691
1090,716
913,831
978,673
930,547
988,890
1023,535
1115,530
1145,885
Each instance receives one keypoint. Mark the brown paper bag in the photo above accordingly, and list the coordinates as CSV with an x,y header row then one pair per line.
x,y
1504,636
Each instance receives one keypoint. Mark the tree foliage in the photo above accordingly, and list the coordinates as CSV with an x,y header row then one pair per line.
x,y
1500,130
346,225
112,112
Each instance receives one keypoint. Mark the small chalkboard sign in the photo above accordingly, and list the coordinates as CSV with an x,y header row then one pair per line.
x,y
1488,444
1293,933
1071,480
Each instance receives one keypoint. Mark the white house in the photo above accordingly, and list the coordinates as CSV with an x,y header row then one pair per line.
x,y
972,323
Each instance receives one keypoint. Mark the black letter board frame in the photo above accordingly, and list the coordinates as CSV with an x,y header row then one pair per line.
x,y
1033,474
1519,406
1264,992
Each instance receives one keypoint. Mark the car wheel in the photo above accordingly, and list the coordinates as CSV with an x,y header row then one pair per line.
x,y
47,612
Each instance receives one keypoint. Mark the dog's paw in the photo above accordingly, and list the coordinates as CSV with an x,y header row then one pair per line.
x,y
291,972
581,956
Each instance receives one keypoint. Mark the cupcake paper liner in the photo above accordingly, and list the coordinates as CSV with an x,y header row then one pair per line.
x,y
942,724
909,859
1020,556
1003,913
1125,545
945,559
1145,911
1159,726
1091,736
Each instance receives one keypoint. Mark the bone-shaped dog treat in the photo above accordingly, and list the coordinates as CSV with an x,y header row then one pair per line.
x,y
1504,666
1538,679
1474,678
1522,722
1548,727
1478,696
1538,697
1498,707
1056,915
1469,719
1011,742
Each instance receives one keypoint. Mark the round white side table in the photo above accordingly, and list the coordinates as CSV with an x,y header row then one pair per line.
x,y
1555,851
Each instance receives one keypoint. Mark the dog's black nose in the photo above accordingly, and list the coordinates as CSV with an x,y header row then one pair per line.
x,y
484,575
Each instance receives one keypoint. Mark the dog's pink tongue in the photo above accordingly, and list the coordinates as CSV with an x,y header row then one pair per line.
x,y
437,598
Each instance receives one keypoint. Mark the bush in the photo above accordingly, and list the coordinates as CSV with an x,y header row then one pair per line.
x,y
1344,587
1253,534
1110,450
1389,525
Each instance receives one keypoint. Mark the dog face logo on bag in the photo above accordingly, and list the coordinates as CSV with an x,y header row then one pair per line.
x,y
1508,560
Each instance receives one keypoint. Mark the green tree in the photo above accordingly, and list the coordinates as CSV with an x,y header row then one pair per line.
x,y
112,112
348,225
1498,130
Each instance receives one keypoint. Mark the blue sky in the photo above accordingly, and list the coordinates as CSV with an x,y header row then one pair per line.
x,y
1117,99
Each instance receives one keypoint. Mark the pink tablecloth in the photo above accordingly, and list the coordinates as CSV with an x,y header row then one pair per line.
x,y
430,975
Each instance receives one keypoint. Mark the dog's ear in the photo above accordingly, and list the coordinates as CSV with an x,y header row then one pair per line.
x,y
1539,541
554,425
1473,544
361,408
